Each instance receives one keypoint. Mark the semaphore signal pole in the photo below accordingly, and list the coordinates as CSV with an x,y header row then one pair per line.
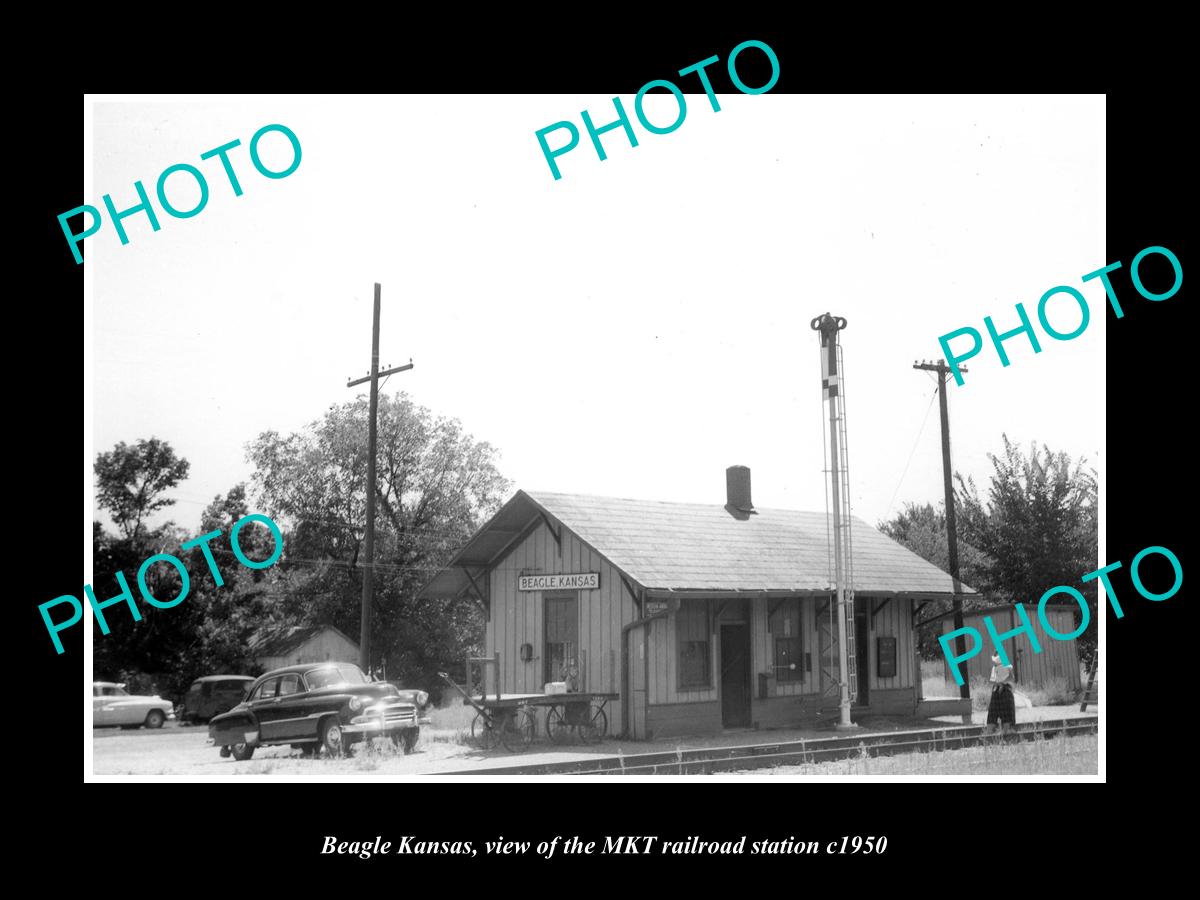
x,y
960,643
368,588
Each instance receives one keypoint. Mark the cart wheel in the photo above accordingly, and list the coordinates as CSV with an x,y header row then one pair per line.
x,y
518,729
557,727
593,729
482,732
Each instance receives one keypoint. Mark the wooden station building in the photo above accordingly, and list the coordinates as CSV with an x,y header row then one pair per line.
x,y
702,617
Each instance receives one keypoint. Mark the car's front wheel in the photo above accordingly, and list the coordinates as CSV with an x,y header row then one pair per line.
x,y
242,752
155,718
332,738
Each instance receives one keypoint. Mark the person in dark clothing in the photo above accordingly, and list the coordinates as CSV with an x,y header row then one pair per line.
x,y
1002,709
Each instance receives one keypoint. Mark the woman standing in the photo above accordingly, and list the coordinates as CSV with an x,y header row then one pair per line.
x,y
1002,710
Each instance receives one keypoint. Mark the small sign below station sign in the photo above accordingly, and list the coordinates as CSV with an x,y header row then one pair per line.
x,y
659,607
582,581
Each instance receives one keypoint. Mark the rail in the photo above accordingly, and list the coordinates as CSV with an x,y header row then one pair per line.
x,y
705,760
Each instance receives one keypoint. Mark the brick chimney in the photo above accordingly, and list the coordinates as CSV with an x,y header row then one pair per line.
x,y
737,492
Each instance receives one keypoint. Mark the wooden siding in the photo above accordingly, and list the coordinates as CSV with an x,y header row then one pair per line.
x,y
894,620
517,617
327,645
661,705
801,613
1058,659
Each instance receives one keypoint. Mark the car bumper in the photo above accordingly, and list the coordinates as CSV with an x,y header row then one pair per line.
x,y
240,737
373,725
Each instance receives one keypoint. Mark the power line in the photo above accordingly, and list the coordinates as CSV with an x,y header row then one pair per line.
x,y
920,432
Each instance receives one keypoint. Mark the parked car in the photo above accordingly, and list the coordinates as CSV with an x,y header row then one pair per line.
x,y
212,695
329,705
113,705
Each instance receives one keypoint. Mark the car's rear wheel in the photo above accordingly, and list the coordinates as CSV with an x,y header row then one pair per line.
x,y
242,752
155,718
332,738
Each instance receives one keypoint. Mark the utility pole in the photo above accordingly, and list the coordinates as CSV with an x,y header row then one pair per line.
x,y
960,643
368,588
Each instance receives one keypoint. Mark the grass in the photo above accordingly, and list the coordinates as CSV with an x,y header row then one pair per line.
x,y
450,723
1042,756
1054,692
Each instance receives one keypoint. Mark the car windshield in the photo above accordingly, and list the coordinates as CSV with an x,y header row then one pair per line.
x,y
326,676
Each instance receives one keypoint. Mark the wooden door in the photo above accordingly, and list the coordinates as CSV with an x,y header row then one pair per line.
x,y
735,676
862,658
561,652
636,702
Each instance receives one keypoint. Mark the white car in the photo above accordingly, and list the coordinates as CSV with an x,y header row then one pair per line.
x,y
113,705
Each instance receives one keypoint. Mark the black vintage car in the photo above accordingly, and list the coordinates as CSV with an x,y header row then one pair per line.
x,y
329,705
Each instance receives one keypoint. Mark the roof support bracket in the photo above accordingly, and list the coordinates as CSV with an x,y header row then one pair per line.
x,y
878,609
479,597
774,608
917,611
716,614
556,533
637,600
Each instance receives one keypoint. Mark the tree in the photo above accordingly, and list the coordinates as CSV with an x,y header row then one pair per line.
x,y
130,481
922,529
435,485
209,631
1038,527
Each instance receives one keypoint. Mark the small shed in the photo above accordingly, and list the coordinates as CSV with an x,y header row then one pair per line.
x,y
274,648
1057,659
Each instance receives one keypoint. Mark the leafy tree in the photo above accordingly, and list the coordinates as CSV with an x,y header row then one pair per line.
x,y
435,485
922,529
1038,527
130,481
156,645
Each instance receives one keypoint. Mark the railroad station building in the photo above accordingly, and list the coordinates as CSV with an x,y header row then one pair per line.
x,y
702,617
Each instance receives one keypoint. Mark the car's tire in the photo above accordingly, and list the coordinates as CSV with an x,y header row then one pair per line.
x,y
155,718
242,752
332,738
407,739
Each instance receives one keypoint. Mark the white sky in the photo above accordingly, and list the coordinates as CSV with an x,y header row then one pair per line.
x,y
629,330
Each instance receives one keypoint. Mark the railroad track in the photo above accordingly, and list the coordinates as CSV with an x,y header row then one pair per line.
x,y
704,760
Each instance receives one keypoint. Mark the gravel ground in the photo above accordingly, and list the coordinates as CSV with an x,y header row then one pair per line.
x,y
183,753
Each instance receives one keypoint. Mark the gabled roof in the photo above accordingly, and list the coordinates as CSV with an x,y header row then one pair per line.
x,y
700,547
280,641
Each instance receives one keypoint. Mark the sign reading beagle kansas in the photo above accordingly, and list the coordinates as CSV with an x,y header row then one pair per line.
x,y
584,581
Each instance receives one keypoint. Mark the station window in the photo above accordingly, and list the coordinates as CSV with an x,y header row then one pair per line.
x,y
692,638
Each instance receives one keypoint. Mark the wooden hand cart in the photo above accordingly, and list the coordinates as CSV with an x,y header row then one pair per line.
x,y
510,719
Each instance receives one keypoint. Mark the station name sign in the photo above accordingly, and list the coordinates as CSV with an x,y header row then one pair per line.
x,y
580,581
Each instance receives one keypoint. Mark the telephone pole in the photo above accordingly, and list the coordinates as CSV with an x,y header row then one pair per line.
x,y
960,643
368,588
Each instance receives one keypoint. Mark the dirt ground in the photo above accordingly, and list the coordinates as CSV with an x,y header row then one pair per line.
x,y
182,753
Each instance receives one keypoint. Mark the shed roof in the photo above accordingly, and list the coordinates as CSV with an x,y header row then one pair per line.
x,y
281,640
701,547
